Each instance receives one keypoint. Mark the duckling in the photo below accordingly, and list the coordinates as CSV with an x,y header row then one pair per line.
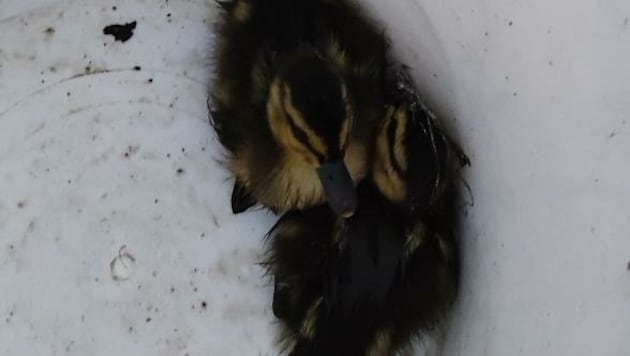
x,y
296,100
368,284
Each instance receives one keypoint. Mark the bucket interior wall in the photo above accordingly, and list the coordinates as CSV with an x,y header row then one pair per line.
x,y
116,236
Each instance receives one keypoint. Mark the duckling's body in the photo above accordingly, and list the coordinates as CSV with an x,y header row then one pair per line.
x,y
363,286
327,58
367,284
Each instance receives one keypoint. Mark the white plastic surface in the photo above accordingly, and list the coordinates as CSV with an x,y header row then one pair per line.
x,y
116,236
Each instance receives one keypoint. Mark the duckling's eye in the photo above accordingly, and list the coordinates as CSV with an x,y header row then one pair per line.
x,y
348,122
301,136
300,129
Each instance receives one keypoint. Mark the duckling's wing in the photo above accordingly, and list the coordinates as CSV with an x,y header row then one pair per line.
x,y
296,253
280,304
241,198
428,285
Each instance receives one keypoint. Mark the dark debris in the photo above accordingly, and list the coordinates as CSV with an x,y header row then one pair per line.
x,y
120,32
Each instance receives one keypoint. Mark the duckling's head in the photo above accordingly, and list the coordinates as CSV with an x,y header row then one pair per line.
x,y
310,116
411,158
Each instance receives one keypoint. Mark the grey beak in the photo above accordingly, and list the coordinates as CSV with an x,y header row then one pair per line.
x,y
339,189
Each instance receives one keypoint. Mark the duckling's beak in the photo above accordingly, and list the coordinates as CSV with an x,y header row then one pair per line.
x,y
339,189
